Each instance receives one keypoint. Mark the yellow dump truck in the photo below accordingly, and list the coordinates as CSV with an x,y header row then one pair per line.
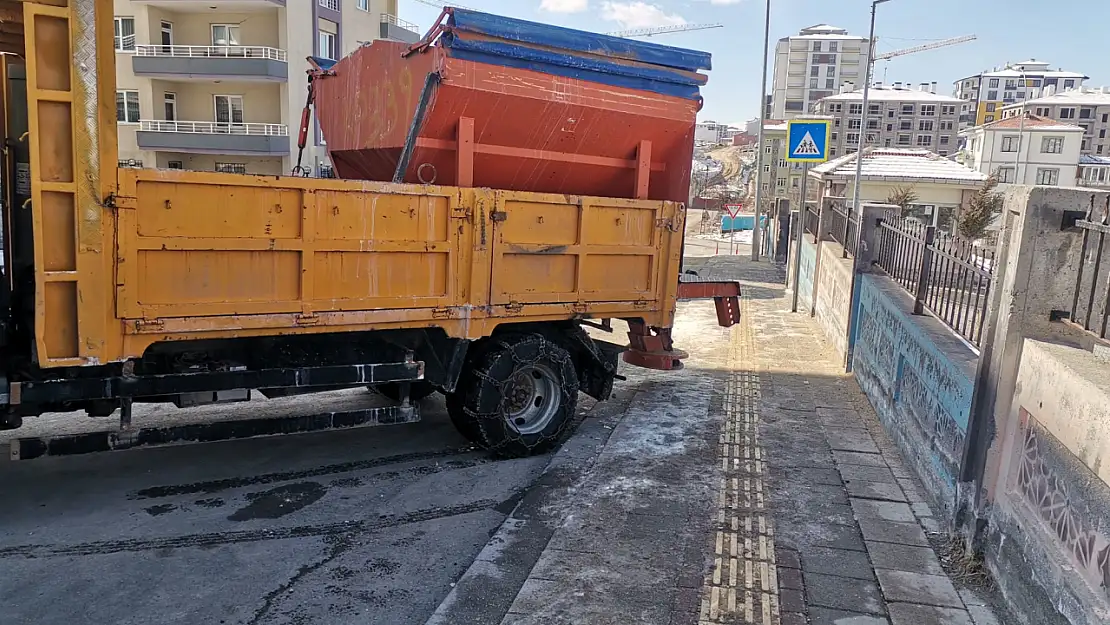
x,y
124,285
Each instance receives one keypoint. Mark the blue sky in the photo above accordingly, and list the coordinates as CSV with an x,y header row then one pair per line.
x,y
1008,32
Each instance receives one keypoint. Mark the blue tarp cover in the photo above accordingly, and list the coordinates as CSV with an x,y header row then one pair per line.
x,y
575,54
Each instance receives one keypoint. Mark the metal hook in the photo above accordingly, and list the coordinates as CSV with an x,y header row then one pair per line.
x,y
420,173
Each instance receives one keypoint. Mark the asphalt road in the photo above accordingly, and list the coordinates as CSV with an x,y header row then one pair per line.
x,y
359,526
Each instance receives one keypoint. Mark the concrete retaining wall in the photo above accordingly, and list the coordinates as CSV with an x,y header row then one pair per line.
x,y
1048,541
834,295
808,269
919,377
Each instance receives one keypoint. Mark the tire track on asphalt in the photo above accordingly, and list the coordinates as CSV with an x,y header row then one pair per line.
x,y
215,486
246,536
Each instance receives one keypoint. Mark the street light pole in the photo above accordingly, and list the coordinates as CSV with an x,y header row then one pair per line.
x,y
756,237
863,114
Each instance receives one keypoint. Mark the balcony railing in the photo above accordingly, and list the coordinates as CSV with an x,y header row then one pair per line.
x,y
227,52
214,128
330,4
396,21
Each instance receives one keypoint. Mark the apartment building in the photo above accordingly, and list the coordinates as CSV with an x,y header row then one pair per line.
x,y
217,85
814,64
1036,150
897,117
1088,108
984,95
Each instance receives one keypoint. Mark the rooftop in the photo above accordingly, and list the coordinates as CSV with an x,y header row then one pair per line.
x,y
898,165
1091,159
892,94
1081,96
1032,122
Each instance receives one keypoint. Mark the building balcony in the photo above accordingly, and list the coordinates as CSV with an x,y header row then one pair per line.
x,y
213,137
249,63
394,28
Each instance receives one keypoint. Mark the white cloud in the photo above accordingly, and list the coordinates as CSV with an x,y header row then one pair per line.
x,y
722,2
565,6
637,14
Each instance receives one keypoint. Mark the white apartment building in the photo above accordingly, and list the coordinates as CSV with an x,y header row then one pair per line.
x,y
897,117
1088,108
1038,150
812,65
219,85
711,132
984,95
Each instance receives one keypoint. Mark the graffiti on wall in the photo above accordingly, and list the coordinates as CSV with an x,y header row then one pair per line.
x,y
1050,496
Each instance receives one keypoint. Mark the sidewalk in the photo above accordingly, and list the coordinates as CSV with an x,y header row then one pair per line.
x,y
756,486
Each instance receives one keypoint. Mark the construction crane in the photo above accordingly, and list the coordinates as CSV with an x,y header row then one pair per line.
x,y
441,5
943,43
662,30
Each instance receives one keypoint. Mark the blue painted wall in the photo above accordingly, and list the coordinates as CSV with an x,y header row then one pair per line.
x,y
740,222
920,378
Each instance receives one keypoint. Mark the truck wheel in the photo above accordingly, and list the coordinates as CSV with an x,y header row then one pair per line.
x,y
417,390
517,397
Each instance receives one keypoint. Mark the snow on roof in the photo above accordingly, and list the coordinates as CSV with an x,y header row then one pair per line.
x,y
1091,159
899,164
1032,73
1031,122
1080,96
891,94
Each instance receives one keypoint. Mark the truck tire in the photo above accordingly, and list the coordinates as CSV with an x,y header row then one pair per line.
x,y
517,396
418,390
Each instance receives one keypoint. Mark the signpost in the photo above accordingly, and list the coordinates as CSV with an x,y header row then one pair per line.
x,y
807,141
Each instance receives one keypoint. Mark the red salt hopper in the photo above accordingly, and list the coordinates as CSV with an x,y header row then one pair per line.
x,y
488,101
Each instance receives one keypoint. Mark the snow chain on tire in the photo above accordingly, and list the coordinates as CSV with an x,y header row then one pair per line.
x,y
479,408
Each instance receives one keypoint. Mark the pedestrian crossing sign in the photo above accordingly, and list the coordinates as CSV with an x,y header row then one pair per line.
x,y
807,140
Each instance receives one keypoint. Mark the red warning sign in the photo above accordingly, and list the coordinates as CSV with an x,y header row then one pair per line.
x,y
733,209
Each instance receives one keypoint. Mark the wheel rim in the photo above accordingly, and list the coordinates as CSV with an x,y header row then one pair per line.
x,y
532,398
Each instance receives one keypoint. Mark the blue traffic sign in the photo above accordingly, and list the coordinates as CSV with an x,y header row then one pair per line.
x,y
807,140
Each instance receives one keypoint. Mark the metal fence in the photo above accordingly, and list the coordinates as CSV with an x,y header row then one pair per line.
x,y
1091,304
811,220
948,276
840,224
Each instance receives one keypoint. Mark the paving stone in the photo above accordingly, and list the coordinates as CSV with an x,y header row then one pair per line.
x,y
910,614
824,616
908,587
787,558
885,510
930,524
791,600
857,458
970,597
921,509
615,603
852,440
982,615
892,532
687,603
840,562
839,412
874,490
813,475
853,472
790,578
844,593
904,558
794,618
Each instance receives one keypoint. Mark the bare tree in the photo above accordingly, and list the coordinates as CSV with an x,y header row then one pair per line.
x,y
902,196
981,210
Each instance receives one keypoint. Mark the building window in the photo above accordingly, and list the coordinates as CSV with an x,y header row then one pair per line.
x,y
992,107
1069,84
830,71
992,95
795,106
872,124
1086,113
363,5
925,125
815,71
812,83
837,108
1067,112
855,109
928,110
1086,145
833,46
903,139
836,122
924,140
890,127
1048,176
170,100
1010,144
948,109
330,4
874,109
830,83
175,165
1105,117
1102,134
127,107
816,46
853,124
232,168
781,182
835,136
327,45
1005,174
993,84
1086,128
853,138
945,139
124,37
1010,84
905,124
1052,145
988,119
1098,149
225,34
886,143
229,109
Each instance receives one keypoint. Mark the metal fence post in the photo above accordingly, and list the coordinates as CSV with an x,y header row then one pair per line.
x,y
925,271
847,226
